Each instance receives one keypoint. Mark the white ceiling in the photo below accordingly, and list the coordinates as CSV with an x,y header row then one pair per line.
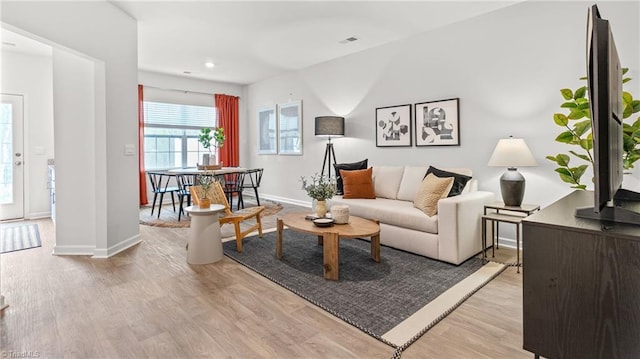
x,y
253,40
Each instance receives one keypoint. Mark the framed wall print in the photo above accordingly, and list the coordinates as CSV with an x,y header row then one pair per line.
x,y
393,126
438,123
268,130
290,128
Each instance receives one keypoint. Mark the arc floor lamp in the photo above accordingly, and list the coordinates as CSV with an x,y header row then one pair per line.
x,y
329,126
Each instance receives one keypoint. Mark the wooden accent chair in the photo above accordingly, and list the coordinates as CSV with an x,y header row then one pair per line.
x,y
216,195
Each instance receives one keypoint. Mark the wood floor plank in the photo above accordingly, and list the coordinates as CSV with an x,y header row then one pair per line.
x,y
147,302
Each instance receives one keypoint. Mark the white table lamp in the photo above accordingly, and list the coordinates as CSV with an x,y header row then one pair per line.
x,y
512,153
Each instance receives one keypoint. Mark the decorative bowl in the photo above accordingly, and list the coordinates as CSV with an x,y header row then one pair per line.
x,y
323,222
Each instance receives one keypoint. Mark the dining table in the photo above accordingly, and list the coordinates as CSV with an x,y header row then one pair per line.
x,y
196,171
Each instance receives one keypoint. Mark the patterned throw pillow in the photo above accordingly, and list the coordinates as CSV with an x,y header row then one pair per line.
x,y
430,192
358,184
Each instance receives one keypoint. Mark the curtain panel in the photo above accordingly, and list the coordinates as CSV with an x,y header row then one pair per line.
x,y
228,119
142,177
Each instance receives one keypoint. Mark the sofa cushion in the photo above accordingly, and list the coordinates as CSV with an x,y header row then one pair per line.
x,y
391,212
460,180
411,179
431,190
387,181
361,165
357,183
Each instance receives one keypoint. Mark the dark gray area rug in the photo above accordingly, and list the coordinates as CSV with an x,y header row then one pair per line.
x,y
19,236
374,297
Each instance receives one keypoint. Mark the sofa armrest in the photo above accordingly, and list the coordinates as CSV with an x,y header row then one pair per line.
x,y
459,225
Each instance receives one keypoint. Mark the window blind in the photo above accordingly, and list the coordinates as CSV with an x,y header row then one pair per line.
x,y
176,115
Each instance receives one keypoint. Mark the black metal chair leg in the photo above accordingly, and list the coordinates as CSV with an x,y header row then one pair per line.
x,y
255,189
160,204
173,202
153,206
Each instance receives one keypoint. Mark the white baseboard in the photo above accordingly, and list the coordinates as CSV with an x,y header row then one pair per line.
x,y
296,202
38,215
508,243
59,250
113,250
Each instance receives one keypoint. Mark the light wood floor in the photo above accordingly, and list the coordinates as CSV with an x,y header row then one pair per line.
x,y
148,302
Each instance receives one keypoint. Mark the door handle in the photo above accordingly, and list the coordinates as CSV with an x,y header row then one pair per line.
x,y
17,163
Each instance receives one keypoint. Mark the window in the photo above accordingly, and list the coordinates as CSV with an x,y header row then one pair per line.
x,y
171,134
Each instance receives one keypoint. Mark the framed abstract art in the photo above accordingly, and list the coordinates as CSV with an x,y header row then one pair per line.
x,y
393,126
438,123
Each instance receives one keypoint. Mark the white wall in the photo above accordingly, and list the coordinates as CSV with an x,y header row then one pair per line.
x,y
31,76
506,67
106,36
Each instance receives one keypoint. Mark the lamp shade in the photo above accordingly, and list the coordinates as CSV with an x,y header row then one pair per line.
x,y
330,126
512,152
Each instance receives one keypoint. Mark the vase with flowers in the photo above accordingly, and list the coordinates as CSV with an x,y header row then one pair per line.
x,y
321,188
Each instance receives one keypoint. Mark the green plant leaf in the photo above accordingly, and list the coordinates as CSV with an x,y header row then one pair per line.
x,y
584,78
581,127
569,105
560,119
584,106
625,80
582,101
636,105
563,171
562,159
576,114
565,137
586,144
578,172
581,186
625,70
551,158
566,178
627,98
580,92
581,156
627,112
567,94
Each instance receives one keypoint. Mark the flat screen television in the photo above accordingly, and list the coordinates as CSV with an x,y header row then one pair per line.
x,y
604,78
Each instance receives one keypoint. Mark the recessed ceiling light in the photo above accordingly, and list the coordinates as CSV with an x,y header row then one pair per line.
x,y
209,64
348,40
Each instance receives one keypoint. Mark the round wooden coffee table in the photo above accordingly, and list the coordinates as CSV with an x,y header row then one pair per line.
x,y
329,237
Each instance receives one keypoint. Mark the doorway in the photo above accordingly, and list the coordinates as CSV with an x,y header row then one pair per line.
x,y
12,157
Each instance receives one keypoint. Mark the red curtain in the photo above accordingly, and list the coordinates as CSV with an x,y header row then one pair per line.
x,y
228,119
142,176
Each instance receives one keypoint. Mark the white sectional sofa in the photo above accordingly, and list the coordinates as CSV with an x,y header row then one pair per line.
x,y
452,235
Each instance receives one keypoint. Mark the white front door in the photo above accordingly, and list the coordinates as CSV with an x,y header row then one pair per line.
x,y
11,158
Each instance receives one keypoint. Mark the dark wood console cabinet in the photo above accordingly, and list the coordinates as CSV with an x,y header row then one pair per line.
x,y
581,284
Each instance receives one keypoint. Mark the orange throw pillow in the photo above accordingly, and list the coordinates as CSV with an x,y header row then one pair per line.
x,y
358,183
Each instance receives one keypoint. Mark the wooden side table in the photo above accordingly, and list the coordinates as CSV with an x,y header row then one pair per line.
x,y
514,215
205,239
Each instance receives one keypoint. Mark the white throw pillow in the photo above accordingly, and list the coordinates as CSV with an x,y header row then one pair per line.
x,y
387,180
411,180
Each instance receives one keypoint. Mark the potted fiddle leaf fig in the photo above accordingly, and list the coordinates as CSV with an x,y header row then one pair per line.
x,y
210,137
576,132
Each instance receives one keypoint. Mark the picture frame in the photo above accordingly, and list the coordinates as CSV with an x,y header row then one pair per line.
x,y
267,131
437,123
290,128
393,126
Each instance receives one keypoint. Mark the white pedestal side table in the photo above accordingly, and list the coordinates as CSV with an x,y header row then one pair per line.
x,y
205,240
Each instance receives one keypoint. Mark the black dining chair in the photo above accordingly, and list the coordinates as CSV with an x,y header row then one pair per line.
x,y
232,185
160,185
185,181
252,179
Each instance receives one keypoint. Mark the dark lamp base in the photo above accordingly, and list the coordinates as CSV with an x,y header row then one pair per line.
x,y
512,187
